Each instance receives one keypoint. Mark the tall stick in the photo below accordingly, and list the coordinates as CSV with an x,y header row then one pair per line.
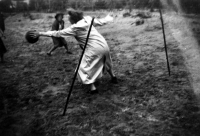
x,y
76,72
163,28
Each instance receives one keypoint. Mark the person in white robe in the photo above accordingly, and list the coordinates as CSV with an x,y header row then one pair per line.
x,y
96,59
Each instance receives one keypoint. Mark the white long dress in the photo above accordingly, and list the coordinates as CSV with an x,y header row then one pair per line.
x,y
97,57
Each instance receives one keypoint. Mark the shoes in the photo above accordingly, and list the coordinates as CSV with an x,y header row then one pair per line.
x,y
49,54
114,80
68,52
93,92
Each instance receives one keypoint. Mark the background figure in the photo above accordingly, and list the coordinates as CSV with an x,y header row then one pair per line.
x,y
58,42
2,24
2,29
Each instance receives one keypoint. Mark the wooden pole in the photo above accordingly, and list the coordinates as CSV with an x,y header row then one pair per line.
x,y
76,72
164,37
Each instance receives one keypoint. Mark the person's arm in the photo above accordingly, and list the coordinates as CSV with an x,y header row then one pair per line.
x,y
101,21
62,33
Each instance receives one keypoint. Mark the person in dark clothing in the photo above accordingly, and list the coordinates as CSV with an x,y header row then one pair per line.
x,y
58,42
3,49
2,24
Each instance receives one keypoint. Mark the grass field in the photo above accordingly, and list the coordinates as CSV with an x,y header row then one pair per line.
x,y
146,102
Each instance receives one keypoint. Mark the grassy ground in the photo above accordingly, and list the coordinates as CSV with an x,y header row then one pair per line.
x,y
146,102
189,44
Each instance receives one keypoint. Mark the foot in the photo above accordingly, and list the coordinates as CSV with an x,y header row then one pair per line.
x,y
93,91
68,52
114,80
49,54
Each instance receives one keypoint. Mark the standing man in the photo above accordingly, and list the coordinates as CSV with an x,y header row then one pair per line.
x,y
2,29
58,42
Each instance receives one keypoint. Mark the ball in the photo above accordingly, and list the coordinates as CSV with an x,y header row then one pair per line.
x,y
29,38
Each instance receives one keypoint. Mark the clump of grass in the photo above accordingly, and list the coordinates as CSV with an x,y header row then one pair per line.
x,y
153,28
35,16
50,17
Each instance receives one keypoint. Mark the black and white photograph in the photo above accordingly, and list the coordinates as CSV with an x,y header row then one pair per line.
x,y
99,67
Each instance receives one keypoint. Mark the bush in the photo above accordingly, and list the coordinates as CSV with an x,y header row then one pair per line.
x,y
120,4
127,14
190,6
101,4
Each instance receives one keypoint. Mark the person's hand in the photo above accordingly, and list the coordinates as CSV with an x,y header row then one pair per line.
x,y
109,18
34,34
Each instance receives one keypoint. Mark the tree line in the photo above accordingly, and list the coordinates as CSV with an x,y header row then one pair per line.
x,y
54,5
190,6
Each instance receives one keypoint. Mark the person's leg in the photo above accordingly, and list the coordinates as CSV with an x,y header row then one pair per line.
x,y
3,50
113,77
64,43
52,49
2,58
56,42
67,49
110,71
109,68
93,87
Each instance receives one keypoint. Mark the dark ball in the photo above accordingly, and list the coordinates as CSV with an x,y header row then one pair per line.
x,y
31,39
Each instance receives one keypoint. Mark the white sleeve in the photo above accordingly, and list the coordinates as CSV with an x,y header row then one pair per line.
x,y
61,33
101,21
